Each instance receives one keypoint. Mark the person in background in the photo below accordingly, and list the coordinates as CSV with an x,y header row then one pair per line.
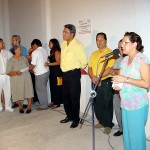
x,y
35,98
103,104
135,76
2,97
16,41
55,73
73,58
5,55
116,96
39,57
2,94
21,84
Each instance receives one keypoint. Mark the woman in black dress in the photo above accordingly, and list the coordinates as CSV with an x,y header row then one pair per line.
x,y
55,73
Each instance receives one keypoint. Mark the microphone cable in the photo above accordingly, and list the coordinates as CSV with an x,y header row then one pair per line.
x,y
108,141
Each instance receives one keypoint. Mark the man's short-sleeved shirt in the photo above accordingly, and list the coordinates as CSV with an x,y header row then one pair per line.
x,y
72,56
39,57
96,62
5,55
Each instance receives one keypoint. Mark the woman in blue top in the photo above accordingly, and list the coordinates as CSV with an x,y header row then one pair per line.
x,y
135,76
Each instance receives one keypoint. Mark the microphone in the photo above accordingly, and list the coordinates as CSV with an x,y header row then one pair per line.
x,y
114,52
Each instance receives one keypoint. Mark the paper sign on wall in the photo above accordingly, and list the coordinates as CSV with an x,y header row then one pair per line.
x,y
84,26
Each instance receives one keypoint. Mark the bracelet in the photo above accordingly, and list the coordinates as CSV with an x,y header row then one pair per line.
x,y
127,81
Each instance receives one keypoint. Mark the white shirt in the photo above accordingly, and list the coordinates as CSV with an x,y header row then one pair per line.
x,y
39,57
118,62
5,55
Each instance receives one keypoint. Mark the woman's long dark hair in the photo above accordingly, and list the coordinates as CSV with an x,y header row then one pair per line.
x,y
56,45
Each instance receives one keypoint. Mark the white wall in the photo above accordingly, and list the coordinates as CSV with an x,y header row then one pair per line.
x,y
27,20
109,16
143,23
45,19
4,23
1,22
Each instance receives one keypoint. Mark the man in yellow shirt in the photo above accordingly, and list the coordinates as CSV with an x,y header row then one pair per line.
x,y
73,58
103,104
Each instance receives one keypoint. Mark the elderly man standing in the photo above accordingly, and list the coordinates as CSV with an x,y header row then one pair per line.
x,y
5,55
73,58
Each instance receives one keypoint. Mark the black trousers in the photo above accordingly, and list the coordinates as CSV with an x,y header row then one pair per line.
x,y
103,103
35,98
71,93
56,91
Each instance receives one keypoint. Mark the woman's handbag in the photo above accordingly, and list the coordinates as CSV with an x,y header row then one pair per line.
x,y
59,81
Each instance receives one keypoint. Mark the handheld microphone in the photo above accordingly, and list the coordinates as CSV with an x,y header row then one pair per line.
x,y
114,52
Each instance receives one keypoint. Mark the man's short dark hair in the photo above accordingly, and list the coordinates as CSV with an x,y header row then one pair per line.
x,y
101,33
71,27
37,42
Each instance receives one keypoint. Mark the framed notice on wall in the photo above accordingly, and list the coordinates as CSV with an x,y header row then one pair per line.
x,y
84,26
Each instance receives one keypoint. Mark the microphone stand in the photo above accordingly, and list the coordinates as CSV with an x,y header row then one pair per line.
x,y
91,103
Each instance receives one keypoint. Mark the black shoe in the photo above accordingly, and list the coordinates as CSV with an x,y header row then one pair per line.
x,y
28,111
118,133
21,111
74,124
65,120
15,105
